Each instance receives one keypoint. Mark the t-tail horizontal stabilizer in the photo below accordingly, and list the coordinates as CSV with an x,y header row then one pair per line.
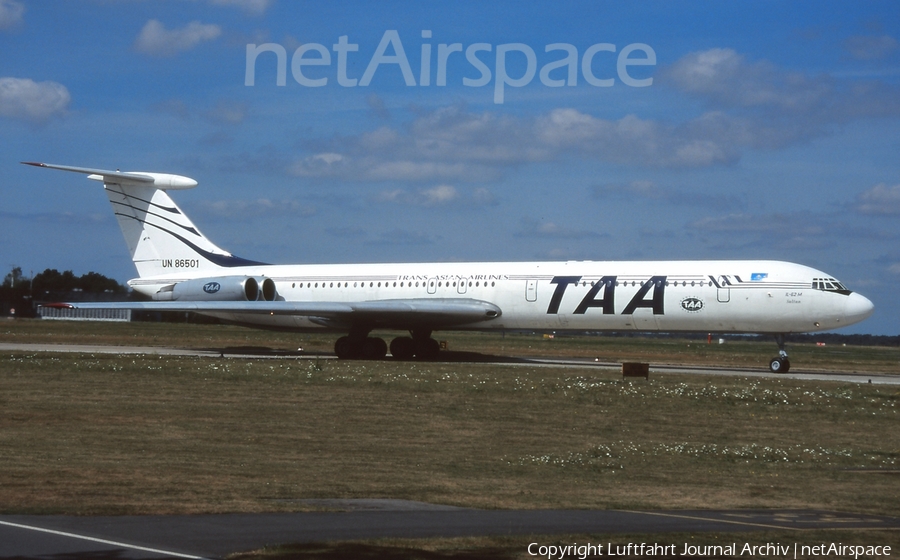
x,y
163,181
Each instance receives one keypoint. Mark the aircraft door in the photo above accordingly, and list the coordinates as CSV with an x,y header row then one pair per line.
x,y
461,286
432,285
531,290
723,288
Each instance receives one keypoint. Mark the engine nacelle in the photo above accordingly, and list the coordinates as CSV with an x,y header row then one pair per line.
x,y
225,288
267,290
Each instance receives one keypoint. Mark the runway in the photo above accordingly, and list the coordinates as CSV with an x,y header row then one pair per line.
x,y
216,536
461,357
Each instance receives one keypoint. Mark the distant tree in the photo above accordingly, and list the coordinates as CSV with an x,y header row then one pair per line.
x,y
97,283
15,294
19,292
14,278
54,281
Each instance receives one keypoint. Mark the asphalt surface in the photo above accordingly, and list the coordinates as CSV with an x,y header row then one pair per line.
x,y
216,536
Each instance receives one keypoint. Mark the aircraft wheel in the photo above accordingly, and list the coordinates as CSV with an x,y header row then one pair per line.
x,y
403,348
346,348
780,365
427,349
373,348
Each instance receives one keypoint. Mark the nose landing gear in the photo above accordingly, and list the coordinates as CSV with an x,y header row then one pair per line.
x,y
781,363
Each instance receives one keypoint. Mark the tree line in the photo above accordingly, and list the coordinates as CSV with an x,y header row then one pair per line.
x,y
18,291
52,281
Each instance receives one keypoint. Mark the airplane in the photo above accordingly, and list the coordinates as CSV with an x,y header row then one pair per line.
x,y
179,269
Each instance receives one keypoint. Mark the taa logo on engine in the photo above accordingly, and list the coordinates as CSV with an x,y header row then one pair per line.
x,y
692,304
213,287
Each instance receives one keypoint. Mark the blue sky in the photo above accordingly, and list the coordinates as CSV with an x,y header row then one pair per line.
x,y
763,130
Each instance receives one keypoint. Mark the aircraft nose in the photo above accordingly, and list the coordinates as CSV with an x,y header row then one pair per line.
x,y
858,307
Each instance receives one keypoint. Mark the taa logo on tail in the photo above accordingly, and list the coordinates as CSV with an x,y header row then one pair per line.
x,y
211,287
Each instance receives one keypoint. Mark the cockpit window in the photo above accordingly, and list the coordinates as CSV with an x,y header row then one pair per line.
x,y
829,285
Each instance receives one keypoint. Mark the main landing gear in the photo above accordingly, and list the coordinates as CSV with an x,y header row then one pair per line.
x,y
360,348
358,345
780,364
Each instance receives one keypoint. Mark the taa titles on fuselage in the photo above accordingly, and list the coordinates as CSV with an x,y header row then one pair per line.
x,y
180,269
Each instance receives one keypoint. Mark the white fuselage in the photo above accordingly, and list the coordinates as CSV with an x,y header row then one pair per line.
x,y
670,296
182,270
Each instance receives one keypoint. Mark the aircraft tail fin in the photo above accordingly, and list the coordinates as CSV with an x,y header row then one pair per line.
x,y
160,237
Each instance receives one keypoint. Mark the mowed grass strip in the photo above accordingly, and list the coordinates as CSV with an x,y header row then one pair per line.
x,y
108,434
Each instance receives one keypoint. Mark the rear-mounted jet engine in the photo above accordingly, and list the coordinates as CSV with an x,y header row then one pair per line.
x,y
226,288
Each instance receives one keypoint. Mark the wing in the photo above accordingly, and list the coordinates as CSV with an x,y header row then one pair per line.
x,y
392,313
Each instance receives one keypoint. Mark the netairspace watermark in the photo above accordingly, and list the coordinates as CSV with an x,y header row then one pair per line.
x,y
562,68
747,550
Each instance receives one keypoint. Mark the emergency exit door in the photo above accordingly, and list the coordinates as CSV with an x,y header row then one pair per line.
x,y
531,290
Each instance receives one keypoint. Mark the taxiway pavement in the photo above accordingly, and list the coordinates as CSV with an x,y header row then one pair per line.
x,y
216,536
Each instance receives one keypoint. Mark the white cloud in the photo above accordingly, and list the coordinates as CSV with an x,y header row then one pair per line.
x,y
704,71
880,199
222,112
452,144
378,107
393,195
728,79
156,40
771,106
551,230
256,7
801,230
228,112
262,207
867,47
404,238
751,105
10,13
174,107
647,190
440,195
327,164
633,140
765,223
372,168
348,232
484,197
34,101
641,189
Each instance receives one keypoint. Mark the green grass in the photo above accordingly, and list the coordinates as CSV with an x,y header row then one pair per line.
x,y
139,434
147,434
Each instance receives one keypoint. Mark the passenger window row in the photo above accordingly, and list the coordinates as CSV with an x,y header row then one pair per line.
x,y
403,284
